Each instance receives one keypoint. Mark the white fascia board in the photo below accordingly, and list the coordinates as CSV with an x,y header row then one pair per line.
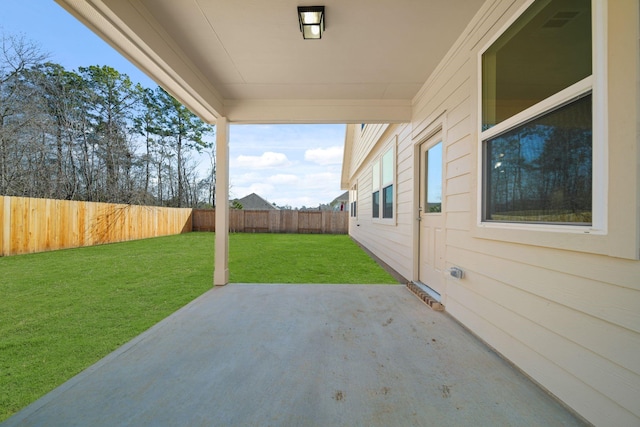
x,y
346,157
318,111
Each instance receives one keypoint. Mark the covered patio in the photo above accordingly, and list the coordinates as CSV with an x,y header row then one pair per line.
x,y
248,63
557,300
312,355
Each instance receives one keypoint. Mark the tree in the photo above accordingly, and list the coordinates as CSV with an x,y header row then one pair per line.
x,y
94,135
185,130
210,180
19,108
111,103
146,124
63,92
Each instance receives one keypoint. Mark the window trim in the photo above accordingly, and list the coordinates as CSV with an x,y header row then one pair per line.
x,y
383,185
543,107
353,202
596,84
375,188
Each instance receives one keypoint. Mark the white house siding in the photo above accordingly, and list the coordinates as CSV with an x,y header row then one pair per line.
x,y
570,319
391,242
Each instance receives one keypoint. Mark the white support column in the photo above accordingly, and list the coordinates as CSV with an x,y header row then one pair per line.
x,y
221,267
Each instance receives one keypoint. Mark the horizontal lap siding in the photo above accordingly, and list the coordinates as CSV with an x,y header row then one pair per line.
x,y
458,185
570,320
504,330
391,242
365,144
551,274
517,288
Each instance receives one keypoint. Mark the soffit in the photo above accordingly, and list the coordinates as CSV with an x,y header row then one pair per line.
x,y
224,53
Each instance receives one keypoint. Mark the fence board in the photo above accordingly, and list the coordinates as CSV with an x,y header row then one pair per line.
x,y
38,225
205,221
32,225
289,221
275,221
18,211
236,221
82,223
256,222
3,226
310,222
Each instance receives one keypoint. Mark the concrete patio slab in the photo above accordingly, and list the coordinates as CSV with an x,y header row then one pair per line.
x,y
300,355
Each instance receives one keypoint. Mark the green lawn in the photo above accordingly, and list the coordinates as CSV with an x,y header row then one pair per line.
x,y
62,311
295,258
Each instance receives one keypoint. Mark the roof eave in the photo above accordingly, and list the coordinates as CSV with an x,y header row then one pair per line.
x,y
169,71
346,157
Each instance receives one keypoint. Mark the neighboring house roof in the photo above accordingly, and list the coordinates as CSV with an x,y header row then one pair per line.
x,y
344,197
253,202
341,202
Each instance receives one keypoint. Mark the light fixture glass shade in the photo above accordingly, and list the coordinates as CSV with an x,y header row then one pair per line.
x,y
311,20
311,32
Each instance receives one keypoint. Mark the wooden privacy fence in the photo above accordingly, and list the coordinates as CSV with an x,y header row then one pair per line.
x,y
34,225
275,221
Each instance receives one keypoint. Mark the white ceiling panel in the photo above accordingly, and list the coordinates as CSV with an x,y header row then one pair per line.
x,y
247,50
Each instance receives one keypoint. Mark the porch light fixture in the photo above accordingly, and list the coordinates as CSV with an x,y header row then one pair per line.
x,y
311,21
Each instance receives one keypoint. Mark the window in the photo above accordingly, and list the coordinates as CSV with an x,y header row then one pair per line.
x,y
353,198
387,184
433,185
383,174
375,195
537,117
387,202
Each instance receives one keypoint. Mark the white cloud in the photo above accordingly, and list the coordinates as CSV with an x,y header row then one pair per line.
x,y
261,189
324,156
296,165
246,178
267,160
283,179
322,181
298,202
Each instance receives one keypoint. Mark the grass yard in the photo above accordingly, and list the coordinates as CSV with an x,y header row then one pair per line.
x,y
295,258
62,311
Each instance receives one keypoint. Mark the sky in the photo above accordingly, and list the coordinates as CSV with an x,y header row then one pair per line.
x,y
294,165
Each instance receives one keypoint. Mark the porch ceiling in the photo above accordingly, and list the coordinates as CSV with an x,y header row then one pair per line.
x,y
246,59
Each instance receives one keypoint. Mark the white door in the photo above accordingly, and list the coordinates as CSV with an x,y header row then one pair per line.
x,y
431,219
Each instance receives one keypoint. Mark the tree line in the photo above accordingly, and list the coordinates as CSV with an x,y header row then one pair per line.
x,y
92,134
542,170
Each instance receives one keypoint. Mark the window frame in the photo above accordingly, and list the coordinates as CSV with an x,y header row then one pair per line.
x,y
425,203
375,189
596,85
353,201
384,185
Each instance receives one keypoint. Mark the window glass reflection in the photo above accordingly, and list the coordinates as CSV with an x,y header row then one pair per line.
x,y
434,178
541,171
